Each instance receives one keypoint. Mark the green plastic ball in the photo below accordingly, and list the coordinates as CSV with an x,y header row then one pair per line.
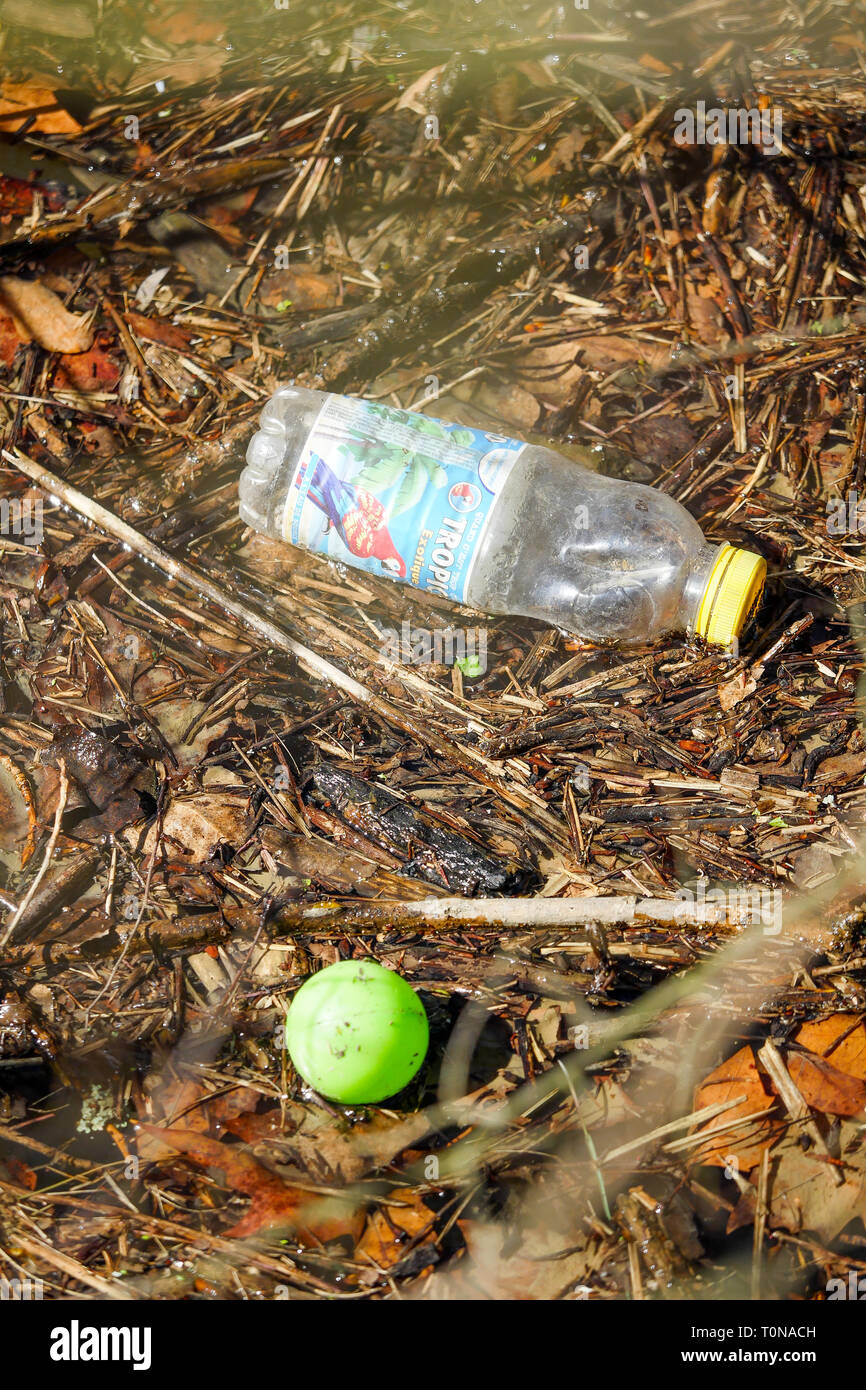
x,y
356,1032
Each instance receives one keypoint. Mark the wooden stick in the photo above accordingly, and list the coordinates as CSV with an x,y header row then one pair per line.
x,y
513,914
770,1056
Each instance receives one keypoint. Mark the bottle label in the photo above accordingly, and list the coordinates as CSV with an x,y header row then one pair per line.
x,y
397,493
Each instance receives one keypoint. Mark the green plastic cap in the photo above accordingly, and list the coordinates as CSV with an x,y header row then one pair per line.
x,y
357,1033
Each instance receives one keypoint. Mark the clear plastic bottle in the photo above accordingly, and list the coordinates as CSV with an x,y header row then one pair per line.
x,y
489,521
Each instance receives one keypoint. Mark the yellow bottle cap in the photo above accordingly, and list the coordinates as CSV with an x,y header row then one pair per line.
x,y
732,595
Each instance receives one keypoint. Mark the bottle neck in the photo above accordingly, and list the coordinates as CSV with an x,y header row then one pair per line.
x,y
696,584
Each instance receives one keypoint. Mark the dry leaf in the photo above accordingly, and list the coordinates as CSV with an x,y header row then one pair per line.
x,y
18,100
705,317
190,1106
187,25
739,1076
823,1086
22,1173
840,1039
828,1068
552,371
87,372
541,1266
608,351
501,400
395,1229
409,99
561,157
16,196
273,1203
326,1147
803,1192
300,288
159,331
39,315
733,691
198,824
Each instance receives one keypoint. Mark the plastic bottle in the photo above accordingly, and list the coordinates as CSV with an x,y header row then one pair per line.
x,y
489,521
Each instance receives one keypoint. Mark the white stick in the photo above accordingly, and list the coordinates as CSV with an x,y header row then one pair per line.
x,y
552,912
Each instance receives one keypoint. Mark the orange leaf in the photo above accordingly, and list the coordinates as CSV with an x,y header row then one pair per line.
x,y
823,1086
830,1074
186,25
158,331
395,1228
22,1173
87,371
19,100
273,1203
38,313
303,288
840,1039
10,340
739,1076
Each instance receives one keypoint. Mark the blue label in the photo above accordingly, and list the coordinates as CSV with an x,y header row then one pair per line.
x,y
397,493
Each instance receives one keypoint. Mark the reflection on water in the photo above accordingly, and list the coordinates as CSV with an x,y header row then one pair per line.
x,y
104,48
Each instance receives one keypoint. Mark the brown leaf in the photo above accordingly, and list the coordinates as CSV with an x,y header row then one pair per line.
x,y
829,1072
10,340
159,331
102,768
18,100
273,1203
38,314
541,1266
22,1173
704,316
199,824
608,351
562,156
190,1106
840,1039
187,25
16,197
823,1086
804,1194
300,288
395,1228
733,691
739,1076
87,372
500,399
328,1148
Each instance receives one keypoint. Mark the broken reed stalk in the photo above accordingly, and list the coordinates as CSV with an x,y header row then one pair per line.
x,y
467,759
515,914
